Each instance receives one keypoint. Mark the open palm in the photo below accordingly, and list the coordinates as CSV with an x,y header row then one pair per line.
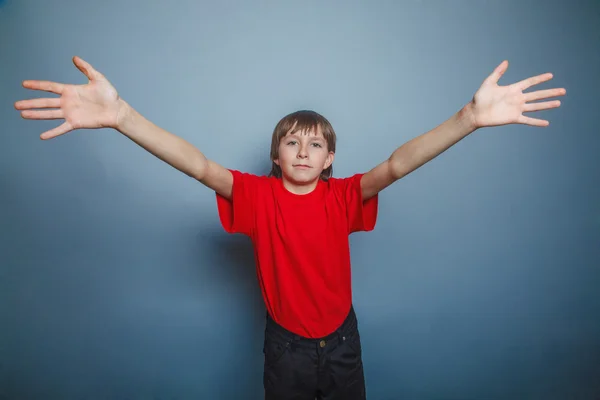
x,y
495,105
92,105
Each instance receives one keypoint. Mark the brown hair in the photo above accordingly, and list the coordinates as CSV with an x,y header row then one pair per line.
x,y
301,121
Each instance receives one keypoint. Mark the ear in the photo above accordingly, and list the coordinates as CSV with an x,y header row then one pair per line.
x,y
276,161
329,159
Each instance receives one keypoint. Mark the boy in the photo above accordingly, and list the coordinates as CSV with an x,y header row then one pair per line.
x,y
298,217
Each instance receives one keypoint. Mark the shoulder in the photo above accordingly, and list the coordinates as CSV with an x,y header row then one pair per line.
x,y
344,184
254,183
249,176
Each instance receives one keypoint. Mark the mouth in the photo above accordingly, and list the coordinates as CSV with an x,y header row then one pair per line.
x,y
302,166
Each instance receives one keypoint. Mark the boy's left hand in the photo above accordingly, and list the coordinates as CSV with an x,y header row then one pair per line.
x,y
495,105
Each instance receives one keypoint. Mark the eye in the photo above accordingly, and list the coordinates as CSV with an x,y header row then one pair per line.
x,y
291,142
317,144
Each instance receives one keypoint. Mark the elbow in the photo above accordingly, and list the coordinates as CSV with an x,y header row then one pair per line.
x,y
404,163
199,167
396,168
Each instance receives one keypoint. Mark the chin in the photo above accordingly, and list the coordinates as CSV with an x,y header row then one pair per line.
x,y
306,176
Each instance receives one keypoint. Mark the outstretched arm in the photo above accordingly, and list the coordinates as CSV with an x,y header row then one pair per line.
x,y
492,105
98,105
174,150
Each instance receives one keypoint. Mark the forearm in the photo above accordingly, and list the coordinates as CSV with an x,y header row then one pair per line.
x,y
168,147
424,148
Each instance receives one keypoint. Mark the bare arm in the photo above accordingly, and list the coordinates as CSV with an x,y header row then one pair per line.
x,y
492,105
98,105
173,150
416,152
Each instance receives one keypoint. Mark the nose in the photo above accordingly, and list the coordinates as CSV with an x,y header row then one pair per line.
x,y
302,153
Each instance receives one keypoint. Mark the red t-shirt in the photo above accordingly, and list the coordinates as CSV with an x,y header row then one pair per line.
x,y
301,246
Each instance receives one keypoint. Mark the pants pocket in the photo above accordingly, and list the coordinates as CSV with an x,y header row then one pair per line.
x,y
347,374
353,341
274,349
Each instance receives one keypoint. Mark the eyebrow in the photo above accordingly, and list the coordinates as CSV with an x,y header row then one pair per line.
x,y
314,137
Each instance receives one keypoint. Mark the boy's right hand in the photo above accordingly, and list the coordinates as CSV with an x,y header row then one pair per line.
x,y
89,106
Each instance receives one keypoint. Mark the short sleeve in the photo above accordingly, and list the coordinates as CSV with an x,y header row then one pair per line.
x,y
237,214
362,215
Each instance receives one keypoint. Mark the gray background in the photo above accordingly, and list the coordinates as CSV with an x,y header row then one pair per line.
x,y
480,280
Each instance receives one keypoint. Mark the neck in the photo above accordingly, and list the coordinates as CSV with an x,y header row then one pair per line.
x,y
299,188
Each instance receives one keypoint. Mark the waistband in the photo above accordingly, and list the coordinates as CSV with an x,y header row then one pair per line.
x,y
349,325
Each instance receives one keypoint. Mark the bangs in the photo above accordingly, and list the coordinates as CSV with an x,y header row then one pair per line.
x,y
302,124
305,122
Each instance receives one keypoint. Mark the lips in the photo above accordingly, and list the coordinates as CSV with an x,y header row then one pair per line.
x,y
302,166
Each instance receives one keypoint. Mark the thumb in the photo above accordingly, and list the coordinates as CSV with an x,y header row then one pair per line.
x,y
87,69
498,72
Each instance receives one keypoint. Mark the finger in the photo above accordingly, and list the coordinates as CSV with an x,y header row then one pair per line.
x,y
59,130
86,68
46,86
38,103
534,80
45,114
544,94
541,106
533,121
498,72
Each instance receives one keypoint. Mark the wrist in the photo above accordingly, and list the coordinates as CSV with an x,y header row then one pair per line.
x,y
124,115
468,117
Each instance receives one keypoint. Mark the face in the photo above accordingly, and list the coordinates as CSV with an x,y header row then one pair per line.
x,y
303,156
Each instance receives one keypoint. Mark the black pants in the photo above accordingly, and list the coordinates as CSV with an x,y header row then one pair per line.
x,y
298,368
